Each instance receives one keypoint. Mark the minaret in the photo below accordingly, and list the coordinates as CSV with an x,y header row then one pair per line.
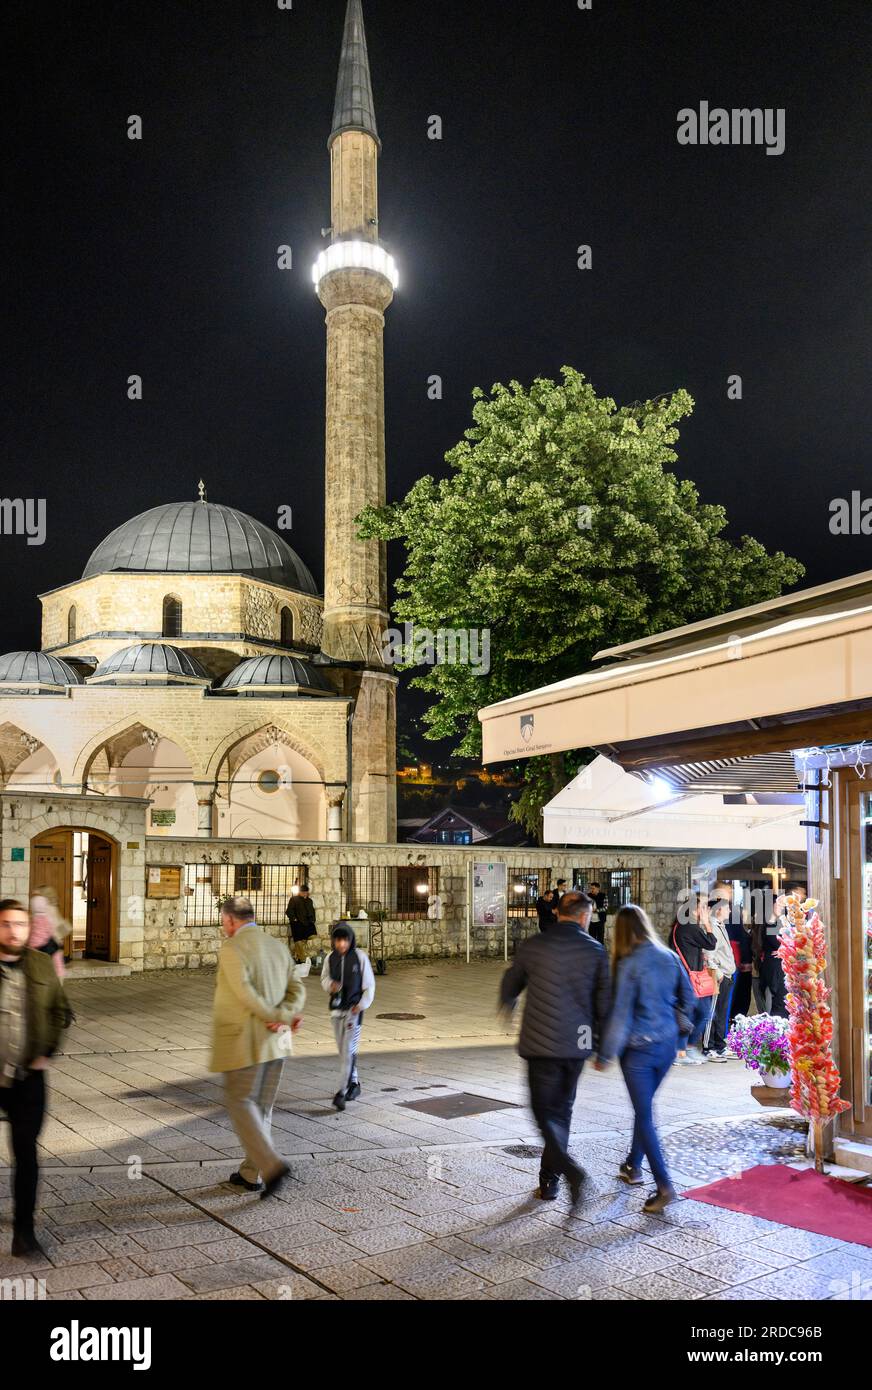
x,y
355,279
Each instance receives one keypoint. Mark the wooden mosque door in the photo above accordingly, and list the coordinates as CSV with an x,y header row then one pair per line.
x,y
98,935
51,866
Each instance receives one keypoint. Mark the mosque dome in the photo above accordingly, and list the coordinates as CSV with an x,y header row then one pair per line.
x,y
32,672
149,663
200,538
266,675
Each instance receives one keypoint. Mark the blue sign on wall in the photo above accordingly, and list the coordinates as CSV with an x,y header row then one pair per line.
x,y
18,853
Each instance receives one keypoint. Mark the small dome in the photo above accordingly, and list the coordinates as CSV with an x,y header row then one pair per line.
x,y
275,672
200,538
29,670
150,662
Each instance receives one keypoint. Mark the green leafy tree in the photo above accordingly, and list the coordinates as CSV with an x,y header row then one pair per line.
x,y
560,530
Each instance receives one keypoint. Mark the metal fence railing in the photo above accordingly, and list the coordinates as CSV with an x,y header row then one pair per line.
x,y
524,887
621,886
269,886
400,893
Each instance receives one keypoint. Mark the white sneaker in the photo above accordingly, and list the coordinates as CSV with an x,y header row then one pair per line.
x,y
690,1059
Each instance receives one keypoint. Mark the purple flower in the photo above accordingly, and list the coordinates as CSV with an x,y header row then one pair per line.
x,y
761,1042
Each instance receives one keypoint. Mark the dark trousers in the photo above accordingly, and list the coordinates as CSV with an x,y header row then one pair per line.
x,y
644,1069
699,1017
24,1103
715,1039
772,978
553,1083
741,994
597,930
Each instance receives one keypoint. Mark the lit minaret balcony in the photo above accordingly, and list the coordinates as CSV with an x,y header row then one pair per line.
x,y
355,255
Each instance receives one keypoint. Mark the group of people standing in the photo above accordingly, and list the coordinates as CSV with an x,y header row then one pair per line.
x,y
548,903
726,960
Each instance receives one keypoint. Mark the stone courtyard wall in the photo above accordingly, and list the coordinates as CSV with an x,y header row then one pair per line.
x,y
172,940
157,933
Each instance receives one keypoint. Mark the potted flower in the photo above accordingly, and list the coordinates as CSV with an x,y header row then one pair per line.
x,y
762,1044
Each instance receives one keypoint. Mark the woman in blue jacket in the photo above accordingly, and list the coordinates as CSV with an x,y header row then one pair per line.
x,y
652,998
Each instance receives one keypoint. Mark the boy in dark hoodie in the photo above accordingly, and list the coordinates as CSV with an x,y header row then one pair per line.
x,y
347,978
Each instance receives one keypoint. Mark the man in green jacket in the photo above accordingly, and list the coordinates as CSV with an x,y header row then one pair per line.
x,y
33,1014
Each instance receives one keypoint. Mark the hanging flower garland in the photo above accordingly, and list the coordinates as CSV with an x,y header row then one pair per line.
x,y
816,1080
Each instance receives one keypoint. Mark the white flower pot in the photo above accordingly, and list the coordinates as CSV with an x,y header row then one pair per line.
x,y
778,1079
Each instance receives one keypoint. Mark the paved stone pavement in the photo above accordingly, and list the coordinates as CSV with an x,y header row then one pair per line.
x,y
387,1202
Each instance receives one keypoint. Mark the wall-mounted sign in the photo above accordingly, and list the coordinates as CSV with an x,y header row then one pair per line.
x,y
163,817
18,853
163,881
133,844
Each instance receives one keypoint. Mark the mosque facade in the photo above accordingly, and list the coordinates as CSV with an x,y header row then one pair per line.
x,y
194,664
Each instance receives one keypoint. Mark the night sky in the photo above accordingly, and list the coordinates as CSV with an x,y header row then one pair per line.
x,y
158,257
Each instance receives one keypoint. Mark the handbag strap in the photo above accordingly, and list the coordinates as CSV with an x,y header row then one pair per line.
x,y
678,949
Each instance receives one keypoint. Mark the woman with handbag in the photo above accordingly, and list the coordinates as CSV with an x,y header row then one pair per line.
x,y
651,992
689,939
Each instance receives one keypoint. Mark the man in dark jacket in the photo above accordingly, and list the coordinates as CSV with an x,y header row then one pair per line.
x,y
300,913
566,976
33,1014
546,909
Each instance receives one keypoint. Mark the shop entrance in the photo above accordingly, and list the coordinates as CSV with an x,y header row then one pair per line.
x,y
853,913
80,865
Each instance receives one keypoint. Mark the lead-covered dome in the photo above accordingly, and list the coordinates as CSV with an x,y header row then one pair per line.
x,y
35,673
150,663
258,675
200,538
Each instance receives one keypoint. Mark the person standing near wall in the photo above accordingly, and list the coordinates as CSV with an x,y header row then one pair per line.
x,y
740,940
600,911
300,913
721,962
546,909
690,937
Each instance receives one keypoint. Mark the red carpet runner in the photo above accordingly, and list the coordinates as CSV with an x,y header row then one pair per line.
x,y
807,1200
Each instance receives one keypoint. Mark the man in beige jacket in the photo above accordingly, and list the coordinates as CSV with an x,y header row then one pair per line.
x,y
258,1005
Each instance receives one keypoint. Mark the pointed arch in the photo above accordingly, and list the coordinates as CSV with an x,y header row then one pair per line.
x,y
125,734
19,746
270,732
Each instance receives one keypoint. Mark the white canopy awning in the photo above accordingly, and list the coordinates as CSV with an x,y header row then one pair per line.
x,y
606,806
